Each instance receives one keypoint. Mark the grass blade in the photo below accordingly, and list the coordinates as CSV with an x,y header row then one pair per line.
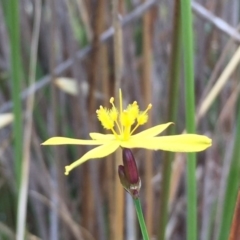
x,y
14,35
187,38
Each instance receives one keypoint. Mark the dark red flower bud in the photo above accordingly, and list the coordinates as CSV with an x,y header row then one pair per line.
x,y
123,179
128,174
130,166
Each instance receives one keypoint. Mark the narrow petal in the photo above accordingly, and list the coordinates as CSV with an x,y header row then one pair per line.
x,y
153,131
175,143
100,136
64,140
97,152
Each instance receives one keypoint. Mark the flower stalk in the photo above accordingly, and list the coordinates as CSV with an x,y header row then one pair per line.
x,y
129,177
141,221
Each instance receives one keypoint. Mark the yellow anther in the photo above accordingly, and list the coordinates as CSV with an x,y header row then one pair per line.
x,y
121,119
124,118
142,118
113,114
133,110
104,117
111,100
127,119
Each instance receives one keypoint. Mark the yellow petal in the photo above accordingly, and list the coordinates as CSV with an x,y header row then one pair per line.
x,y
175,143
97,152
100,136
153,131
64,140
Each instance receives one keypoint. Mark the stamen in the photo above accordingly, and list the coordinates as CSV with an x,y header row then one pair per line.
x,y
127,119
134,129
115,134
122,119
111,100
126,132
104,117
120,101
118,126
142,118
120,107
149,107
133,110
114,113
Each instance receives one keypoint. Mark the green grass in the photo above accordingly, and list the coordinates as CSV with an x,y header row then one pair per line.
x,y
16,74
188,52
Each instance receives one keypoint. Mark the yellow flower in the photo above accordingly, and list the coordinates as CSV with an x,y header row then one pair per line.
x,y
123,124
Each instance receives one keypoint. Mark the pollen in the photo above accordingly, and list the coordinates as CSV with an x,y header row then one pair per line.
x,y
142,119
143,116
133,110
113,114
104,117
127,119
129,116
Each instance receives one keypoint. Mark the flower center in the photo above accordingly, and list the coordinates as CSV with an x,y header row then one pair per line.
x,y
122,123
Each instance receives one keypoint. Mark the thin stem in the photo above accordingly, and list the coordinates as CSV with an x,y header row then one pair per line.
x,y
53,217
187,38
16,72
23,191
141,221
173,90
118,67
117,44
147,93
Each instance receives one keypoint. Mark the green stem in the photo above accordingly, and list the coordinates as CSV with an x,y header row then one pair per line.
x,y
187,38
141,221
14,33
